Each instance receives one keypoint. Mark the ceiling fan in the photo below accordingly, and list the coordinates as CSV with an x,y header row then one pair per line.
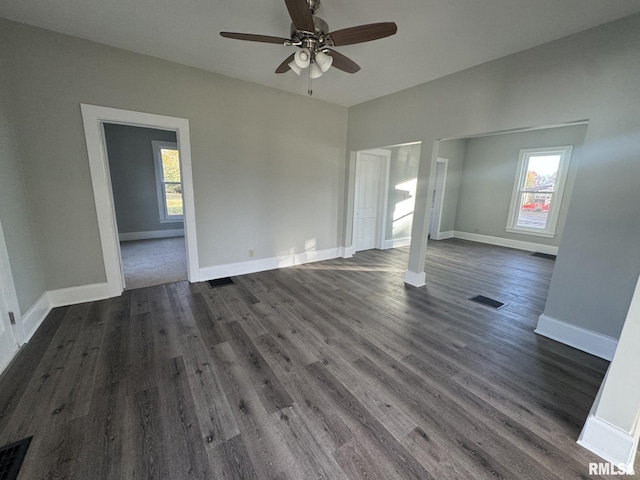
x,y
312,36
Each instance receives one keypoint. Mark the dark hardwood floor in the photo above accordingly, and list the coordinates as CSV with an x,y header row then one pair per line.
x,y
332,370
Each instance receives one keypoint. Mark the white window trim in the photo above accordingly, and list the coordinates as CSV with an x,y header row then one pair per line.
x,y
554,209
157,145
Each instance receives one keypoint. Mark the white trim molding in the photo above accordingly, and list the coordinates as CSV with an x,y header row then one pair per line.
x,y
609,442
520,189
347,252
588,341
93,118
415,279
438,193
396,243
132,236
36,315
84,293
507,242
157,146
63,297
444,235
264,264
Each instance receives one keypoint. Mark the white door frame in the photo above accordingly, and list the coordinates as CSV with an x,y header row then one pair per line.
x,y
93,118
383,197
439,200
9,303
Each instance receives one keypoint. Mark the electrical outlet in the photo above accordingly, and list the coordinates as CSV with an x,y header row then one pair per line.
x,y
251,252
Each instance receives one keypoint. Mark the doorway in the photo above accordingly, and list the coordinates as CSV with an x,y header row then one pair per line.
x,y
371,184
146,180
437,201
382,188
93,119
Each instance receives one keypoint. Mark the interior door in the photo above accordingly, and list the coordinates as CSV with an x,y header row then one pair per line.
x,y
368,178
8,342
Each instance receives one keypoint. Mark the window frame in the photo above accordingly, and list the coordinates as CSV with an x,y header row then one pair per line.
x,y
557,194
158,145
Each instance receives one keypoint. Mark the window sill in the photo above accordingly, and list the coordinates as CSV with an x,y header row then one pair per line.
x,y
172,220
534,233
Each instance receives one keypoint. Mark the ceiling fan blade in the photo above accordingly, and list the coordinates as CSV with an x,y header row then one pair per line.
x,y
362,33
343,63
284,66
301,15
255,38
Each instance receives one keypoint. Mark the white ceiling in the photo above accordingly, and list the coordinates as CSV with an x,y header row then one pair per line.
x,y
435,37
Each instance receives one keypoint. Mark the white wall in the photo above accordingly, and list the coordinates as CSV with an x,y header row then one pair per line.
x,y
589,76
15,216
268,166
454,151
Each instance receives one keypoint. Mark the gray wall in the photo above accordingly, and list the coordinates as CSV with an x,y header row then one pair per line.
x,y
133,177
403,167
15,216
591,75
266,177
454,151
490,168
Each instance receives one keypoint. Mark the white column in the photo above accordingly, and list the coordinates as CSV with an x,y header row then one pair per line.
x,y
415,274
612,429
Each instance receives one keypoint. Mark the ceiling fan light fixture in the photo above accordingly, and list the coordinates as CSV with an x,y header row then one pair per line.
x,y
294,66
324,61
302,58
315,71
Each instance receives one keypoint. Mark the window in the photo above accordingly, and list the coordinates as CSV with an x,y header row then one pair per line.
x,y
537,193
169,180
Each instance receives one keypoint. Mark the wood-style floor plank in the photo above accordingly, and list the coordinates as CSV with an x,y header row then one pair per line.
x,y
330,370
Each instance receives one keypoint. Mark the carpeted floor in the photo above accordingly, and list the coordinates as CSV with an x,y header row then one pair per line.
x,y
153,262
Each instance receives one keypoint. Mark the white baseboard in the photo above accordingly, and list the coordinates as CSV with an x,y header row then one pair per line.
x,y
609,442
130,236
577,337
445,235
396,243
35,316
347,252
507,242
415,279
263,264
84,293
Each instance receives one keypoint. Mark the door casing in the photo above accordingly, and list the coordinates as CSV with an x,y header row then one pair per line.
x,y
94,117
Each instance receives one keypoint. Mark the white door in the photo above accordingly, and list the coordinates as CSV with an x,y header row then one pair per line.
x,y
367,201
438,198
8,343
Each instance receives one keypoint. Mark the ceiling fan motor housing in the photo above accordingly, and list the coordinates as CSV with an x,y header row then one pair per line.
x,y
321,29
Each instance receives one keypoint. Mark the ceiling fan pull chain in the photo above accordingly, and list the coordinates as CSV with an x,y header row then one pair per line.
x,y
310,86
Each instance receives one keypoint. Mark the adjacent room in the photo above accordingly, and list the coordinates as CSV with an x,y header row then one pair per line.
x,y
144,167
511,189
360,240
